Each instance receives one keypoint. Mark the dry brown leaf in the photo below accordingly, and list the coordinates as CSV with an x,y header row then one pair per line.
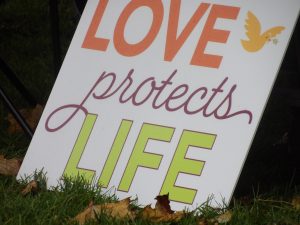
x,y
118,210
9,167
163,203
162,211
84,216
32,187
224,218
31,116
121,210
156,215
296,202
202,222
152,214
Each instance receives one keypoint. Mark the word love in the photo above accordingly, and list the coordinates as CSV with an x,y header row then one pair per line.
x,y
215,102
174,39
139,158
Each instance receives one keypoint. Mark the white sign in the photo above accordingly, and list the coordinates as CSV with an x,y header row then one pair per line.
x,y
158,96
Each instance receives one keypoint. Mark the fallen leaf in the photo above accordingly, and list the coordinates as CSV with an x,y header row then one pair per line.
x,y
224,218
296,202
32,187
162,211
31,116
9,167
118,210
202,222
156,215
163,203
84,216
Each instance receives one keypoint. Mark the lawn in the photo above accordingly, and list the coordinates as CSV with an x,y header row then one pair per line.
x,y
268,186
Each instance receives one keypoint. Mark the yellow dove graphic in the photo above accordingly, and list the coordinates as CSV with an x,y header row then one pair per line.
x,y
253,31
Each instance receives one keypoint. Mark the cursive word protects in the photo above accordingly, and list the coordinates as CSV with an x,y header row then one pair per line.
x,y
203,95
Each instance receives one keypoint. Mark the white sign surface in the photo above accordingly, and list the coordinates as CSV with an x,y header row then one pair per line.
x,y
159,97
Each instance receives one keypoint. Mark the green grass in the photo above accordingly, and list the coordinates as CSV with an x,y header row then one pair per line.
x,y
25,44
47,207
59,205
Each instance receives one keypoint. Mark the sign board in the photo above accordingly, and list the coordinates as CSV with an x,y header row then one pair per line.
x,y
158,96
